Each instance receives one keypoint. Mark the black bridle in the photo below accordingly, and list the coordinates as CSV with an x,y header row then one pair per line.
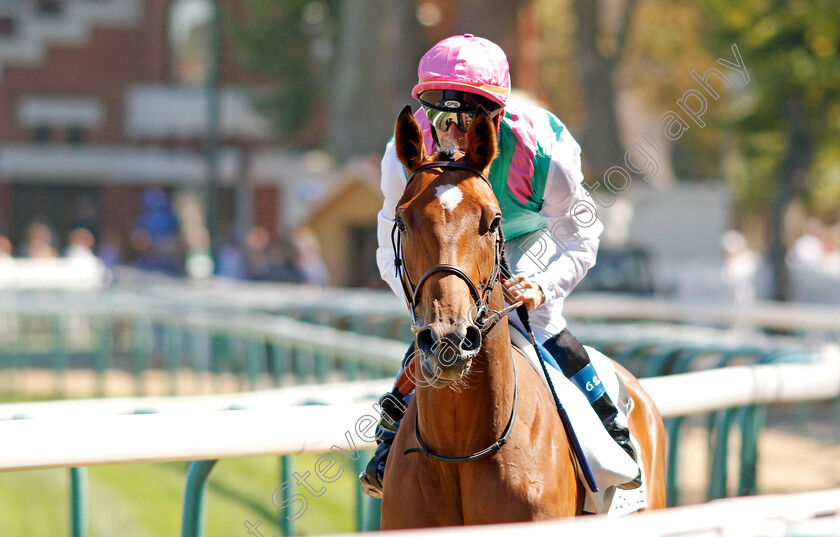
x,y
483,317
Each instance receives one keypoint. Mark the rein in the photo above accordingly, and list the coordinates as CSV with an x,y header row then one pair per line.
x,y
486,452
482,317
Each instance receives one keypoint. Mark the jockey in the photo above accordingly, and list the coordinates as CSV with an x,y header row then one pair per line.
x,y
550,227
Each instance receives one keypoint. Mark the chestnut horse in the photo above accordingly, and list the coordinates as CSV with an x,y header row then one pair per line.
x,y
473,391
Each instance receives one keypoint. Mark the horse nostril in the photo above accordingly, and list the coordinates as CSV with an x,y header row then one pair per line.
x,y
426,341
472,339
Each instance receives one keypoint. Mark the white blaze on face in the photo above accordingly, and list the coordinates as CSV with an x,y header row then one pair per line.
x,y
449,196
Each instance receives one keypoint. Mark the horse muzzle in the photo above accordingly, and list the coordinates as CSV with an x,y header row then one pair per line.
x,y
446,358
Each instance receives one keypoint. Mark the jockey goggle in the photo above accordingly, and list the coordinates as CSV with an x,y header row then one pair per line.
x,y
442,119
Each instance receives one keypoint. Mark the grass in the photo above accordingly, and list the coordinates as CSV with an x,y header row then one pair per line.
x,y
145,500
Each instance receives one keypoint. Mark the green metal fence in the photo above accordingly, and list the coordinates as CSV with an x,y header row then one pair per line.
x,y
251,347
335,337
723,422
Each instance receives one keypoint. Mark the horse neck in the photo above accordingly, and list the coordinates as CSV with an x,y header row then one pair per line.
x,y
478,407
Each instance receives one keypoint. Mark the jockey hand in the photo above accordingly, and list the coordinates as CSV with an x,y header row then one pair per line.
x,y
521,289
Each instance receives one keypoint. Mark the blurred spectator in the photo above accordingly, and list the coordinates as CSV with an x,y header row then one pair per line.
x,y
80,244
831,249
231,261
306,257
149,255
156,216
39,241
279,266
140,243
155,241
6,261
5,247
110,249
294,260
199,261
808,248
256,252
818,248
739,269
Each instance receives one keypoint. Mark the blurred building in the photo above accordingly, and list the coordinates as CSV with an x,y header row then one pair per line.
x,y
102,99
342,221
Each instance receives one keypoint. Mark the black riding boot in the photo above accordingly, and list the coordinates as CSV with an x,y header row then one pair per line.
x,y
371,479
575,364
393,405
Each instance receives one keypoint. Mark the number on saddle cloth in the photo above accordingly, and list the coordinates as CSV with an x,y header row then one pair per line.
x,y
589,383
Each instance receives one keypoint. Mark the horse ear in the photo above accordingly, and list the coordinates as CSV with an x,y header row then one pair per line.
x,y
481,140
408,139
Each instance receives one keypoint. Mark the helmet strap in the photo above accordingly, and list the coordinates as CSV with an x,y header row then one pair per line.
x,y
497,121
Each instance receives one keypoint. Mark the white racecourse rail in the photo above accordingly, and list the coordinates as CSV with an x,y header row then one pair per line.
x,y
194,428
812,514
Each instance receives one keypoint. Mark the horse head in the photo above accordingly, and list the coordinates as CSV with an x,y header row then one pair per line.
x,y
448,221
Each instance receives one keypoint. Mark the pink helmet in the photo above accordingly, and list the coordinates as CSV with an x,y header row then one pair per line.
x,y
466,63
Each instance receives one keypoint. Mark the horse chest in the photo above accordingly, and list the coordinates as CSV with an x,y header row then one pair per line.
x,y
519,483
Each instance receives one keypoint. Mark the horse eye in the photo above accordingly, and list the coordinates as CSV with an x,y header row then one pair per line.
x,y
494,225
400,225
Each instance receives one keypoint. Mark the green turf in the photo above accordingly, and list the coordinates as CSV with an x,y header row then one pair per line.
x,y
145,500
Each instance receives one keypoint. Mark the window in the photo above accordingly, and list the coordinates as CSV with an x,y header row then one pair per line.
x,y
43,135
75,135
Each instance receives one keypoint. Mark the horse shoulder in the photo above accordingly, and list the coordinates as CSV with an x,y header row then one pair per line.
x,y
552,454
415,485
532,477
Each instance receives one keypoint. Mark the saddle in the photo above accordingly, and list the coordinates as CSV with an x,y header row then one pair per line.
x,y
609,463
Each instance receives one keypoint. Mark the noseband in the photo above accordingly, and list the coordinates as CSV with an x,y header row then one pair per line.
x,y
482,318
412,291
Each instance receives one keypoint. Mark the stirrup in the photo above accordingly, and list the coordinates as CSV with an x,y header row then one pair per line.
x,y
609,413
627,446
634,484
370,480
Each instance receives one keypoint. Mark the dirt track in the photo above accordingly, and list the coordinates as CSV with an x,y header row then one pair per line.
x,y
786,463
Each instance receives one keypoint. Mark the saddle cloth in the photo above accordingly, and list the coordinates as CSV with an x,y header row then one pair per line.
x,y
609,463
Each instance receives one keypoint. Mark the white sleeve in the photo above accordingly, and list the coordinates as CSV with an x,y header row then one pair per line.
x,y
571,218
392,185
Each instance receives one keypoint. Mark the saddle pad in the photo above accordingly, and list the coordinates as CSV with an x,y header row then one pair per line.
x,y
609,463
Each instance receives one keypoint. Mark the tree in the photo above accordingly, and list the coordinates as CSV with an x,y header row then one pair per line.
x,y
380,45
646,50
290,44
790,124
378,48
600,47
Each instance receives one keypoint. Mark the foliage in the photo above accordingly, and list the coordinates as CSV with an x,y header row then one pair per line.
x,y
791,51
663,47
558,76
289,44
